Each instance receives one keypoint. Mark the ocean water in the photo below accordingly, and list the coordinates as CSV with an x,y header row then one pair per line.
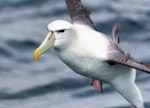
x,y
48,83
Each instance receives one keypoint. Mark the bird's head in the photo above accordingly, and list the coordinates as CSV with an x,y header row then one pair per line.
x,y
57,36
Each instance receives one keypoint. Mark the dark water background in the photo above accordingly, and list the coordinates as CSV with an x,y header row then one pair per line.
x,y
48,83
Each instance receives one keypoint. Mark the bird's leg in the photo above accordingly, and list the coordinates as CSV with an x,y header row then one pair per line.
x,y
97,84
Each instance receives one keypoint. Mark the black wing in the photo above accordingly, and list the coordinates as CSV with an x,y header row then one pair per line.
x,y
78,13
126,59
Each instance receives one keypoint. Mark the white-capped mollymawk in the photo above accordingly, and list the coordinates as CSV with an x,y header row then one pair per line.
x,y
93,54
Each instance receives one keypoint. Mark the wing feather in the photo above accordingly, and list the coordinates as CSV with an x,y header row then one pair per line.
x,y
126,59
78,13
115,33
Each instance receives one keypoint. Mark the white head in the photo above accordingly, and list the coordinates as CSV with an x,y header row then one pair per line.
x,y
57,37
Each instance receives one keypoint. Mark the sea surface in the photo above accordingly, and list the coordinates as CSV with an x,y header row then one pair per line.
x,y
47,82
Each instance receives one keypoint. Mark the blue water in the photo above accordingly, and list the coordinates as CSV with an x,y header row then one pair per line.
x,y
48,83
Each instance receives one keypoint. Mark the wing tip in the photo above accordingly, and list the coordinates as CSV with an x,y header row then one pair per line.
x,y
78,13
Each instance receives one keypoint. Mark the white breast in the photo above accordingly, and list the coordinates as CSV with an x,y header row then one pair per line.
x,y
86,54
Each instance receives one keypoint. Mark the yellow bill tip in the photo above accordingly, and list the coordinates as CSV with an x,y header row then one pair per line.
x,y
36,54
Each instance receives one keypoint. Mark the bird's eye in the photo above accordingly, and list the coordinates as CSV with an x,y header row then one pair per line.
x,y
61,31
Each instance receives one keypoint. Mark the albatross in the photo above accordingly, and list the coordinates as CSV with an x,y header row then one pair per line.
x,y
93,54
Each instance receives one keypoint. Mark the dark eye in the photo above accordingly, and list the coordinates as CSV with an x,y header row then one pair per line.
x,y
61,31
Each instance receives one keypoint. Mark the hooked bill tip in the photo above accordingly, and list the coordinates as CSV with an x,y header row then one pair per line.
x,y
36,54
